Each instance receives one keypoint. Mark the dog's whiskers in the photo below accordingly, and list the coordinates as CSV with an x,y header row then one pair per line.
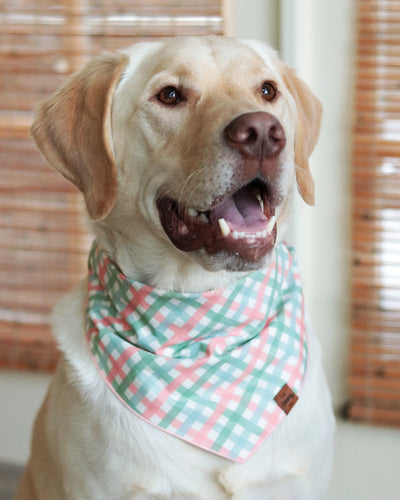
x,y
190,178
112,217
121,237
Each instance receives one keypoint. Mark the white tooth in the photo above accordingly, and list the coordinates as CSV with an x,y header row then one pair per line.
x,y
203,218
242,235
192,212
225,230
258,234
264,234
235,235
271,224
260,200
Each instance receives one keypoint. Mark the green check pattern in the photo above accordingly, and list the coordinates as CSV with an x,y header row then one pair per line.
x,y
204,367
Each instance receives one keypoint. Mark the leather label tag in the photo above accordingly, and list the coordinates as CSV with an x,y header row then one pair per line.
x,y
286,399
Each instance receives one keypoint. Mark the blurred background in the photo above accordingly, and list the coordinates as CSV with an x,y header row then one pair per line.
x,y
348,245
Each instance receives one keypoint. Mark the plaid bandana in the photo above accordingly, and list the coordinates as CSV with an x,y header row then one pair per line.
x,y
218,369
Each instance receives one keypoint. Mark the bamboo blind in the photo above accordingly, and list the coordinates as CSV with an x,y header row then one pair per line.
x,y
43,238
375,343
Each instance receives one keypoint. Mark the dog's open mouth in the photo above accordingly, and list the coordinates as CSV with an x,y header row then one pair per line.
x,y
243,224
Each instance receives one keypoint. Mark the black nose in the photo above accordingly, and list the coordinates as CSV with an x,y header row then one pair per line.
x,y
256,135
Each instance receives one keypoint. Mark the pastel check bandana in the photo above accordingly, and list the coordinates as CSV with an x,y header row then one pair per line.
x,y
205,367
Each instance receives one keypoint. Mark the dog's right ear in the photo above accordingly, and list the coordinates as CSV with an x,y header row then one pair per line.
x,y
72,129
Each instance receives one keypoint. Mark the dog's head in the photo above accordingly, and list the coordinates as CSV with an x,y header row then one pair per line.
x,y
192,146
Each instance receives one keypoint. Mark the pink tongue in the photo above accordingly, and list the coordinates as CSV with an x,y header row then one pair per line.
x,y
241,211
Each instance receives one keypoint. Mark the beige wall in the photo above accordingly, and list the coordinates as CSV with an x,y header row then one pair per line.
x,y
20,397
258,19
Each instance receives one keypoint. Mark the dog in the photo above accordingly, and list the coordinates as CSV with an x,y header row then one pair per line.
x,y
188,153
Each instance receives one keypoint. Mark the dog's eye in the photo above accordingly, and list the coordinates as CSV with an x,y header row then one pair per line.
x,y
169,96
268,91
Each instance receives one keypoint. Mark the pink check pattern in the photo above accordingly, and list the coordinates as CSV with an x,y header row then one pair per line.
x,y
203,367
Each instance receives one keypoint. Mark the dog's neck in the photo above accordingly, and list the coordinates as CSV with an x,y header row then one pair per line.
x,y
163,267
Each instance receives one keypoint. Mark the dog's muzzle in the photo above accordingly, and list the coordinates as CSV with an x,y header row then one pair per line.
x,y
243,222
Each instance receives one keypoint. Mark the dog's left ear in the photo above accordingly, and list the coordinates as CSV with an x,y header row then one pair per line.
x,y
72,129
309,113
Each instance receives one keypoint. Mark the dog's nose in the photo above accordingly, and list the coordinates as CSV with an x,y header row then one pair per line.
x,y
256,135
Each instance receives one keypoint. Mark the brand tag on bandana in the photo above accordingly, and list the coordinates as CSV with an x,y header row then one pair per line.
x,y
208,367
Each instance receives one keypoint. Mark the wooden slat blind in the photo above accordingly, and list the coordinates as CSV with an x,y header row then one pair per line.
x,y
375,342
43,238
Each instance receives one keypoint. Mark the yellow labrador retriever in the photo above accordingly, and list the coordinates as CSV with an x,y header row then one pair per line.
x,y
189,370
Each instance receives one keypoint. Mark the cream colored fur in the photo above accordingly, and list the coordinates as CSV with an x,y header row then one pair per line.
x,y
86,445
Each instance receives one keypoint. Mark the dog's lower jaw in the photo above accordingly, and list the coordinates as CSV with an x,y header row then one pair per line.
x,y
147,255
229,262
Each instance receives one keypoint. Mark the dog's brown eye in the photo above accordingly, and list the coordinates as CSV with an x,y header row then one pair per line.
x,y
268,91
169,96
